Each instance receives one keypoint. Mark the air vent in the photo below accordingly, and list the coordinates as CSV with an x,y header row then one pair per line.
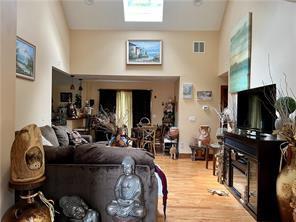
x,y
199,47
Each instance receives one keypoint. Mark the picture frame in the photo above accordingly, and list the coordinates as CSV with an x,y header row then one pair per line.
x,y
187,90
143,52
204,95
25,59
66,97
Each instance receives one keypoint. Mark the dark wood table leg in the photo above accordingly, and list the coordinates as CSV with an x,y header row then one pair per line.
x,y
193,154
214,164
207,156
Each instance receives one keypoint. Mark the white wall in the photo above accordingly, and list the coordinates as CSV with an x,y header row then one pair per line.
x,y
103,53
274,34
43,24
7,96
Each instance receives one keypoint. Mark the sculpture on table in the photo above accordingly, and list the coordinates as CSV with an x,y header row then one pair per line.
x,y
76,210
128,194
204,135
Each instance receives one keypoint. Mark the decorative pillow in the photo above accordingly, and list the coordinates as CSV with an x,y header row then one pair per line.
x,y
45,142
62,134
49,134
76,139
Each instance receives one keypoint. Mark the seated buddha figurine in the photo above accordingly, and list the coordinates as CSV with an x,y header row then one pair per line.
x,y
128,193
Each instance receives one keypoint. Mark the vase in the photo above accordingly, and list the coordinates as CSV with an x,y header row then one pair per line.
x,y
28,210
286,187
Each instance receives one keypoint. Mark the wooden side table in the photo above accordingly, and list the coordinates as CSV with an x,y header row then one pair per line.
x,y
194,148
215,147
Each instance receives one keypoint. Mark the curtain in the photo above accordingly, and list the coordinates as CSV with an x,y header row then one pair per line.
x,y
255,113
124,109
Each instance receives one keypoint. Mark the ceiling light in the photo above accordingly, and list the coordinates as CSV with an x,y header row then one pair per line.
x,y
72,87
80,87
197,2
143,10
89,2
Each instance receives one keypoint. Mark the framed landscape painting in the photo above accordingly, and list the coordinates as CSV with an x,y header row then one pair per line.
x,y
143,52
240,55
204,95
25,59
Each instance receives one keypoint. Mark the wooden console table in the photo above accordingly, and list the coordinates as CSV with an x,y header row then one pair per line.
x,y
250,170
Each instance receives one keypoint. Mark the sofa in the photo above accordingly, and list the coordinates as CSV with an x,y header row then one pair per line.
x,y
91,170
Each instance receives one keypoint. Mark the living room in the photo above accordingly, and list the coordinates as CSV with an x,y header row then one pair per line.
x,y
63,41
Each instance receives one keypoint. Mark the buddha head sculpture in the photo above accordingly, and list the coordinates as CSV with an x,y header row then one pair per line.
x,y
27,155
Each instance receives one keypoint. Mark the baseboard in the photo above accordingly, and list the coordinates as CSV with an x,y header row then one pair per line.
x,y
185,155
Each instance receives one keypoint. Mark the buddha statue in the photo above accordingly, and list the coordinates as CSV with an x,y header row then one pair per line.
x,y
128,193
76,210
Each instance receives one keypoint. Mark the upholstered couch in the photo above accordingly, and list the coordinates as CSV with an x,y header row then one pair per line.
x,y
91,171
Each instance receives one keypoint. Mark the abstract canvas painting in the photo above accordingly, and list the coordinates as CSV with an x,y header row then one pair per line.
x,y
144,52
240,55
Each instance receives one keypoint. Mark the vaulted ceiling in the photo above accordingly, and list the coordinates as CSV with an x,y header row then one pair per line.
x,y
179,15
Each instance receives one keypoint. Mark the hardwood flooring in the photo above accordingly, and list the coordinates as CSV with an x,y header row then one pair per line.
x,y
188,198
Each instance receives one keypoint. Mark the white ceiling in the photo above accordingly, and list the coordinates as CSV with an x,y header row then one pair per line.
x,y
179,15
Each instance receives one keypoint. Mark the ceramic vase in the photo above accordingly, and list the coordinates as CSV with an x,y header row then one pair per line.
x,y
286,188
28,210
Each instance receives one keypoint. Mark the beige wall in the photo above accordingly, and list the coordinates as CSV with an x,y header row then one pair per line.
x,y
7,96
161,89
41,23
103,53
274,34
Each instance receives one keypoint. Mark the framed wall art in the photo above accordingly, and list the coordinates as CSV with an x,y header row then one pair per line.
x,y
204,95
25,59
66,97
240,55
144,52
187,90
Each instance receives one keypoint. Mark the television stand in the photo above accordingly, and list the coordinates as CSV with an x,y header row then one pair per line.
x,y
250,170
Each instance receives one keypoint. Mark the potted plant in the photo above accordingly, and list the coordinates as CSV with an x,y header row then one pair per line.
x,y
286,181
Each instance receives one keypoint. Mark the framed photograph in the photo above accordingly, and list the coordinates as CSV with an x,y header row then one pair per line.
x,y
25,59
204,95
187,90
65,97
240,55
144,52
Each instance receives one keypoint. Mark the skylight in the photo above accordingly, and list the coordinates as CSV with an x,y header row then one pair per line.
x,y
143,10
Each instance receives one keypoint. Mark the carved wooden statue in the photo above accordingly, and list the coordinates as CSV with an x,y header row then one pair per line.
x,y
27,155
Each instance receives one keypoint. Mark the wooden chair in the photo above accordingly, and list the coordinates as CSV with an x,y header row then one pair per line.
x,y
148,139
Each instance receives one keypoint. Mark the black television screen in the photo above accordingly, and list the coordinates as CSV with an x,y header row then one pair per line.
x,y
255,109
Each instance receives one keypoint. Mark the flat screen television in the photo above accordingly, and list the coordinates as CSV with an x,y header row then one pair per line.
x,y
255,109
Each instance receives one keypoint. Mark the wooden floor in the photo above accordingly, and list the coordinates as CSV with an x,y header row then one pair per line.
x,y
188,198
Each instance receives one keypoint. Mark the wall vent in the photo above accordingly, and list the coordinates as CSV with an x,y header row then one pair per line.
x,y
198,47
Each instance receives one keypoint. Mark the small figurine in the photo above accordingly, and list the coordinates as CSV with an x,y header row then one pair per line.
x,y
128,193
173,152
76,210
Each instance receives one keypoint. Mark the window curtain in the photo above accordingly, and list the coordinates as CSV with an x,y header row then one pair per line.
x,y
255,113
124,109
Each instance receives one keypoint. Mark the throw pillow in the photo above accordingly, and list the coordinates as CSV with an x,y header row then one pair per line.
x,y
45,142
76,138
62,134
50,135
